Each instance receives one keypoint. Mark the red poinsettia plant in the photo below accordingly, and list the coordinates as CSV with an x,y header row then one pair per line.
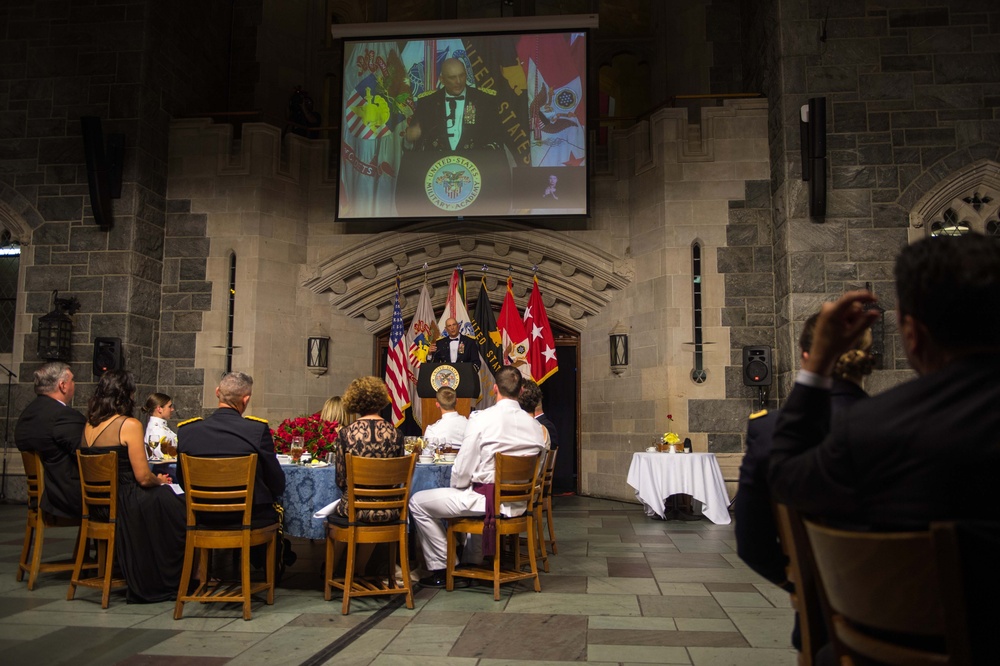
x,y
319,436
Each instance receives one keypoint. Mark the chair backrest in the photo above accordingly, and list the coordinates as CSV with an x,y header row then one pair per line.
x,y
515,479
99,482
906,586
378,484
549,471
808,600
218,485
34,477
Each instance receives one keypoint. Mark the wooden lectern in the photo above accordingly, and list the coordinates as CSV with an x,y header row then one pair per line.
x,y
463,377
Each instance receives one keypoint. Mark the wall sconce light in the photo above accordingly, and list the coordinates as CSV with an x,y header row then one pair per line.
x,y
619,348
55,330
317,352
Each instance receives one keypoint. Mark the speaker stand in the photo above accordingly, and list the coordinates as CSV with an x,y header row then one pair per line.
x,y
761,397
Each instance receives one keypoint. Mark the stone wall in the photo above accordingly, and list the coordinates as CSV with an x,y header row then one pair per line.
x,y
680,180
912,95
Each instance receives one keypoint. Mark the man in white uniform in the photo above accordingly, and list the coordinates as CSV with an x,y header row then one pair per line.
x,y
450,428
503,428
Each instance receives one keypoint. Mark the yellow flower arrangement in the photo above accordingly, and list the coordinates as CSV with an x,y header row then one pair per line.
x,y
670,437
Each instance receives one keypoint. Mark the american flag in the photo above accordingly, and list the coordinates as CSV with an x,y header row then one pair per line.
x,y
397,364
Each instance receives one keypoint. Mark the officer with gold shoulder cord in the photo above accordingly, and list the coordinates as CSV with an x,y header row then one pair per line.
x,y
228,433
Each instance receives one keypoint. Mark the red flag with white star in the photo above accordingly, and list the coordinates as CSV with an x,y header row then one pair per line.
x,y
514,339
542,349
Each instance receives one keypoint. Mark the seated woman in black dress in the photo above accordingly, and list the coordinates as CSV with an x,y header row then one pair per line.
x,y
151,518
370,436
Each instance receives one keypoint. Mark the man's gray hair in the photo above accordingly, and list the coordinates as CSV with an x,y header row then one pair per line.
x,y
48,376
234,386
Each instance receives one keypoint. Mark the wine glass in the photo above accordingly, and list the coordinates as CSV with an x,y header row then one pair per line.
x,y
298,446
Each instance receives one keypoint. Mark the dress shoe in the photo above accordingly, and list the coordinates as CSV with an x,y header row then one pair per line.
x,y
437,578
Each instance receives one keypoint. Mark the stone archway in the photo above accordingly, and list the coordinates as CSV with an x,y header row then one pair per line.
x,y
968,198
577,278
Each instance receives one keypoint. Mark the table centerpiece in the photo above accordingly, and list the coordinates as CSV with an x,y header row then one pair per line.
x,y
319,436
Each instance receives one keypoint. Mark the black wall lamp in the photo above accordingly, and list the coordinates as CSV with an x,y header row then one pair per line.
x,y
55,330
317,352
619,348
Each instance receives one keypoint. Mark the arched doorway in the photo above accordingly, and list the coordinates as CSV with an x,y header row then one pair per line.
x,y
561,402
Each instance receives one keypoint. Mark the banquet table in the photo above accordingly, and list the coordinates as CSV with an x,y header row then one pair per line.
x,y
305,495
656,476
309,488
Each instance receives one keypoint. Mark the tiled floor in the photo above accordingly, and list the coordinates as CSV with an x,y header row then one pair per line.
x,y
623,589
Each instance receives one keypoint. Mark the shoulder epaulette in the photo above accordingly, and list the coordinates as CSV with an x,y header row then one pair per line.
x,y
256,418
426,93
488,91
757,415
184,423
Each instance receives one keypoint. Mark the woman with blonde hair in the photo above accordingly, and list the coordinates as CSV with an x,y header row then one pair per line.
x,y
333,410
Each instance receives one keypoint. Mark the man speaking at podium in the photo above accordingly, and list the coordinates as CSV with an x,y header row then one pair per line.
x,y
456,117
454,347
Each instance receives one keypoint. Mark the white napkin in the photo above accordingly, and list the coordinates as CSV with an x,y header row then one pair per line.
x,y
326,510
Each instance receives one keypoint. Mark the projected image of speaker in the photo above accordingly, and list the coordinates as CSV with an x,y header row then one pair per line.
x,y
107,355
757,366
104,169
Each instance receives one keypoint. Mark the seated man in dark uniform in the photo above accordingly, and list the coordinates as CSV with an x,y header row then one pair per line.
x,y
54,430
228,434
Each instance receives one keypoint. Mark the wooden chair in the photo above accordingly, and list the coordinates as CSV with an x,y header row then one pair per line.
x,y
550,468
222,485
515,481
807,597
538,508
373,484
895,597
34,530
99,489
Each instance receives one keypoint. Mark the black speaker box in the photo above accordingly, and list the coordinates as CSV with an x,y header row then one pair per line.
x,y
107,355
757,366
104,169
817,187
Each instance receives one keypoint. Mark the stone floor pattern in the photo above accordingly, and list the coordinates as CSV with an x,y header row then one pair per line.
x,y
624,589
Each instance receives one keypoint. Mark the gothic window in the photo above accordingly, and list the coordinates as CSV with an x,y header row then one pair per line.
x,y
949,225
974,211
993,228
10,259
698,374
231,318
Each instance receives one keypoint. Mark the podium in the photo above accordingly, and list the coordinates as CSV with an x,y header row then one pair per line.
x,y
463,377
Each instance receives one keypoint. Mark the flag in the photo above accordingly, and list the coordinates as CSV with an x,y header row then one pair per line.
x,y
515,341
554,76
454,306
484,325
423,331
542,349
397,365
376,102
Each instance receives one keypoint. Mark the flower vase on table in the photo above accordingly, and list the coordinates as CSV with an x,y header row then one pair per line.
x,y
317,437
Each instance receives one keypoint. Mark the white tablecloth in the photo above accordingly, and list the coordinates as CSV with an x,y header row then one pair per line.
x,y
657,476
